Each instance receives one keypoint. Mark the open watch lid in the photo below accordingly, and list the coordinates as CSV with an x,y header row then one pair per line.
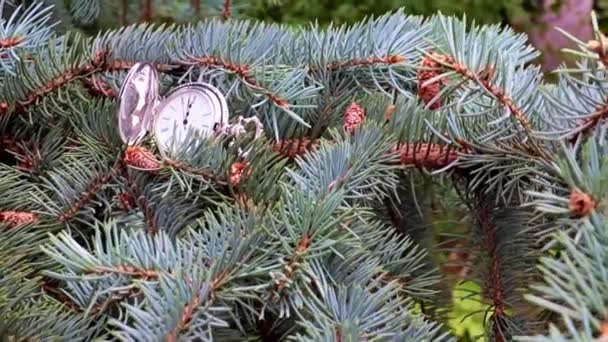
x,y
137,99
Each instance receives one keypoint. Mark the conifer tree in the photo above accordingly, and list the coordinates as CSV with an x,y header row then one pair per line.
x,y
321,228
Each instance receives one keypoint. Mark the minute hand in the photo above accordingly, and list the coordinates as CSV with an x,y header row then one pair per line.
x,y
187,111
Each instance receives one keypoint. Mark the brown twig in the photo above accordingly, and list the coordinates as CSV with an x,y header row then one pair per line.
x,y
216,284
147,11
29,158
10,143
100,63
495,290
54,84
361,62
119,64
96,63
483,78
180,166
190,309
91,191
144,159
293,148
124,13
140,199
226,10
26,154
98,87
196,5
128,271
52,290
243,72
291,267
587,125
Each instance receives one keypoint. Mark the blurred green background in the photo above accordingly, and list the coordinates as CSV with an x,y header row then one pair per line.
x,y
301,11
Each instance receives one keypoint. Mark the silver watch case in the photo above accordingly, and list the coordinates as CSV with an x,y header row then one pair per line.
x,y
137,98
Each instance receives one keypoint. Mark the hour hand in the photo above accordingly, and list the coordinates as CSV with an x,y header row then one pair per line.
x,y
189,105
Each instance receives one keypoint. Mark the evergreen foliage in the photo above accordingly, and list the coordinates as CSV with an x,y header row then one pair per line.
x,y
324,231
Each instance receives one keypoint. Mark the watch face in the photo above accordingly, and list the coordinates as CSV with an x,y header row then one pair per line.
x,y
189,112
137,97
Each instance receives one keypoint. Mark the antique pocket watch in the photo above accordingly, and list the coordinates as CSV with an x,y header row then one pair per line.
x,y
188,111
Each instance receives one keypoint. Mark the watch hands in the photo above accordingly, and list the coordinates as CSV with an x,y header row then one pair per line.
x,y
188,110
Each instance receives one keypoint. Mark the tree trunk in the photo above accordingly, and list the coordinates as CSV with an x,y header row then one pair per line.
x,y
196,5
147,11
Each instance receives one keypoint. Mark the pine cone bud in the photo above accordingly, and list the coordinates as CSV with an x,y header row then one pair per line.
x,y
3,108
27,163
393,59
141,158
10,42
596,45
27,157
427,92
17,218
238,171
354,117
604,332
581,204
126,200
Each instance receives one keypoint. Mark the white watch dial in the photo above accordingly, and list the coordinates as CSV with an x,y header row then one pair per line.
x,y
187,113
